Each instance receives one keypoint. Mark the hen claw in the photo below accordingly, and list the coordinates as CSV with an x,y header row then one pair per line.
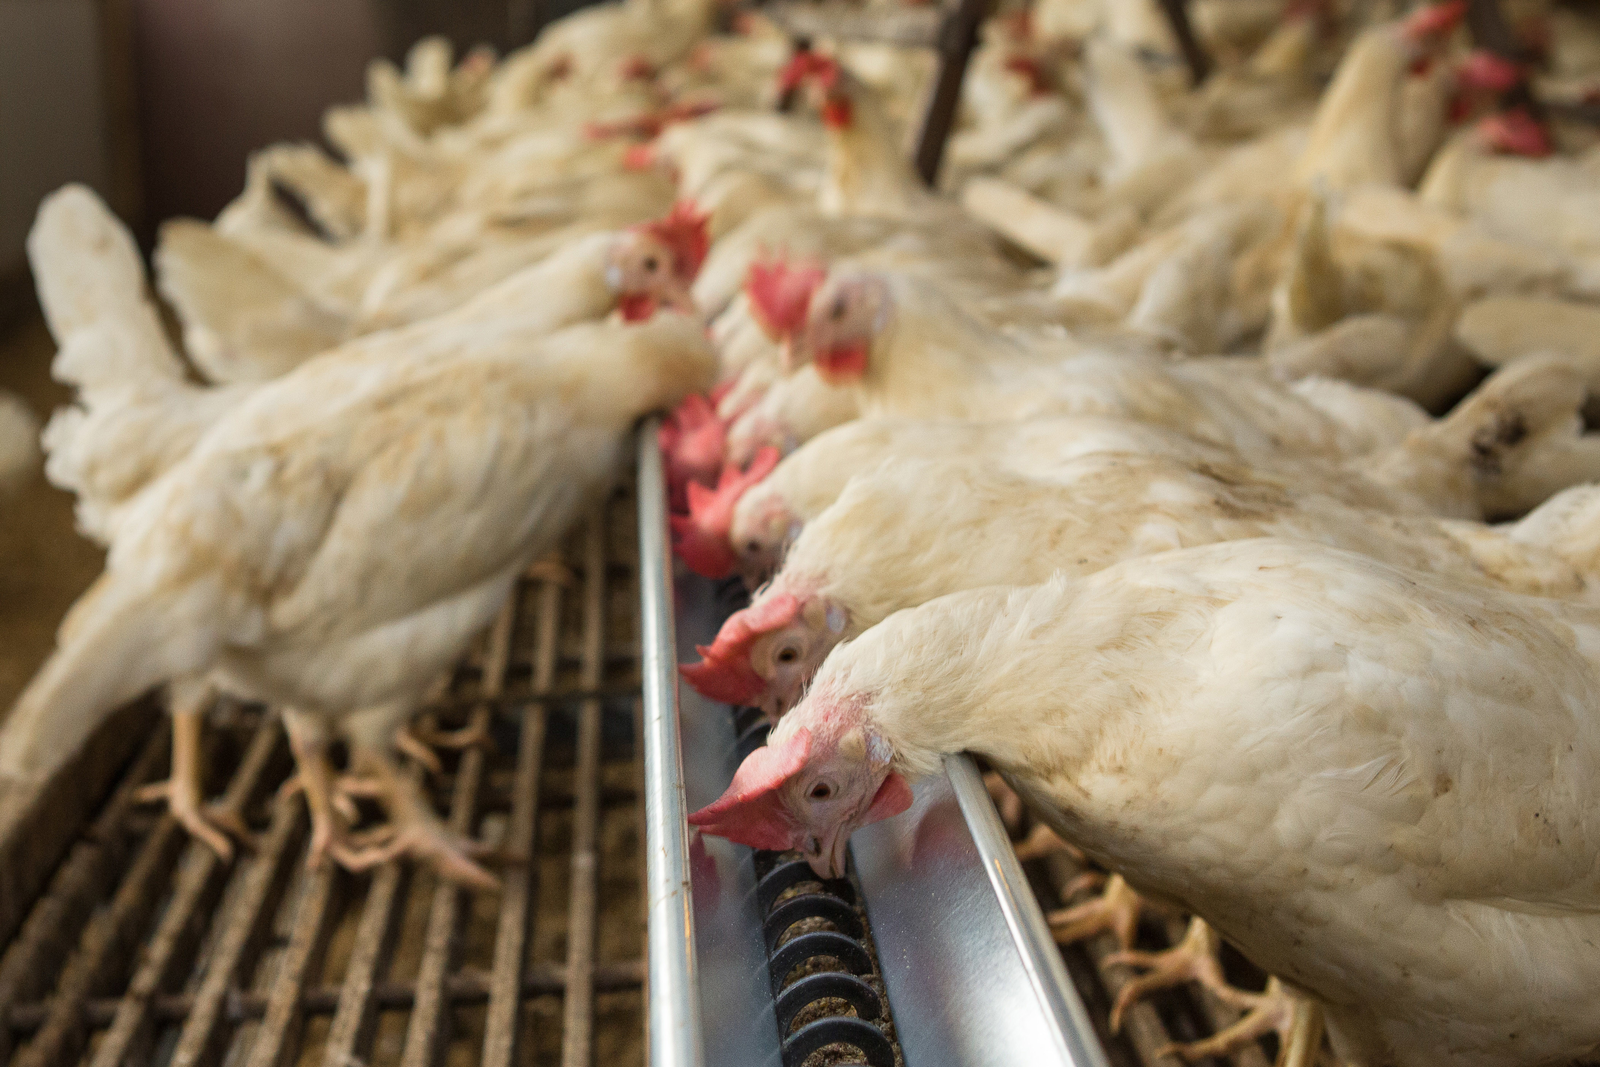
x,y
1043,841
341,797
1296,1020
478,735
448,853
420,752
1116,910
1194,959
214,824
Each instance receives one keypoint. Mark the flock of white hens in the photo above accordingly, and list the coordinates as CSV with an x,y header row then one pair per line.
x,y
1153,459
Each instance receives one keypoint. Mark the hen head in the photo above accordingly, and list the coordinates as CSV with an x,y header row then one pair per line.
x,y
762,525
1515,132
656,262
1483,69
844,318
766,653
1481,80
824,75
701,538
810,788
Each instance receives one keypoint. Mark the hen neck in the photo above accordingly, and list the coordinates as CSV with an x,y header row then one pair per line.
x,y
1352,138
971,672
866,172
932,359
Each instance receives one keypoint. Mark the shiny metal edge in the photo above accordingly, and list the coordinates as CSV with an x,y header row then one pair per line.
x,y
1040,956
673,991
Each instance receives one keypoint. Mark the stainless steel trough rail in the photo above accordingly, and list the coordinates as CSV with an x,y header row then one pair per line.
x,y
966,958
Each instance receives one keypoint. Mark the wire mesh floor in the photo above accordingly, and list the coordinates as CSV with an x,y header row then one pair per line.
x,y
145,948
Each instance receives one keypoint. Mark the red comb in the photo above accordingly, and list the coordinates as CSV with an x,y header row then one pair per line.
x,y
639,156
724,672
804,65
838,112
1484,69
692,443
1515,132
1433,20
683,230
1028,68
780,294
750,811
479,60
637,67
701,537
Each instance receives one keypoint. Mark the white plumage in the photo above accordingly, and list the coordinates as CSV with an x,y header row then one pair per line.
x,y
1371,781
1004,460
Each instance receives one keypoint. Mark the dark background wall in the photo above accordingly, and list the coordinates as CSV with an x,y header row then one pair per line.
x,y
53,126
218,78
157,103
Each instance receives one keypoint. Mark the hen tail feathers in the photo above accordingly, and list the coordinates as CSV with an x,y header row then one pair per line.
x,y
91,285
116,642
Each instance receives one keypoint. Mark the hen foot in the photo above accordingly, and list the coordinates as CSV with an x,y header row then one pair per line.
x,y
1116,909
1005,800
450,854
184,792
1194,959
1296,1020
1043,841
332,809
413,830
419,750
342,796
423,736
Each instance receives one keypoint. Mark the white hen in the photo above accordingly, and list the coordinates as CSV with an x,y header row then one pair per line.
x,y
1374,783
333,542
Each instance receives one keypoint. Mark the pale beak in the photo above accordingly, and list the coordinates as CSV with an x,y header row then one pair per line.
x,y
679,298
831,856
789,355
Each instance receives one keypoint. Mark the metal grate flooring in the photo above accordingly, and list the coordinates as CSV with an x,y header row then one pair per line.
x,y
144,948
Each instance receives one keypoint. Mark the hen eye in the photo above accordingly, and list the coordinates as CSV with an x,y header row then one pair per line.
x,y
752,547
821,791
838,310
651,263
788,655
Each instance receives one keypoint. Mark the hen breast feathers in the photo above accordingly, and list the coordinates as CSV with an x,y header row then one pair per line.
x,y
1376,785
